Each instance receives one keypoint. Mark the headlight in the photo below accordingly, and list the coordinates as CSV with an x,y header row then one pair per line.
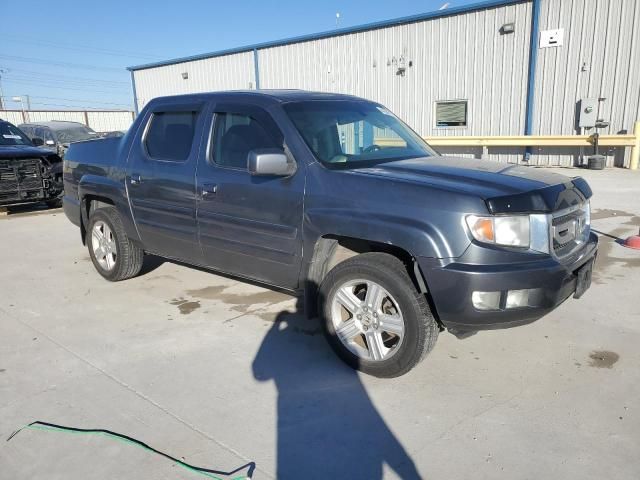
x,y
525,231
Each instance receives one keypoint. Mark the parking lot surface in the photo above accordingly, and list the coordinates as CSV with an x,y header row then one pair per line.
x,y
220,373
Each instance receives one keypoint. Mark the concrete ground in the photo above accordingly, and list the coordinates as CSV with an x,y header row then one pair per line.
x,y
221,373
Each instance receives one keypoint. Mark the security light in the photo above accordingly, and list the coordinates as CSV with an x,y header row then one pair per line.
x,y
508,28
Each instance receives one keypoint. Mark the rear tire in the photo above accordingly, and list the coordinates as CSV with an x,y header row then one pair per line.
x,y
113,255
385,337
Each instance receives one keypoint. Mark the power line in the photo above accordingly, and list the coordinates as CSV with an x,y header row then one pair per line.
x,y
41,61
47,75
48,85
75,100
80,48
81,101
57,81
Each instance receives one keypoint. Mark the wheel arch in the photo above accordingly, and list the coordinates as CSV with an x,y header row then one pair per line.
x,y
88,204
331,249
98,191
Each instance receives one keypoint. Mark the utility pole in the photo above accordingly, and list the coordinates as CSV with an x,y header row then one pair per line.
x,y
2,70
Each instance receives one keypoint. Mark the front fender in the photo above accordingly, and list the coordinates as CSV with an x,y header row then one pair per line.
x,y
418,238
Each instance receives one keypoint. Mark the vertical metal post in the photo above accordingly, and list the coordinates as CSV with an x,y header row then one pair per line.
x,y
531,83
635,150
367,135
135,95
1,93
485,153
256,68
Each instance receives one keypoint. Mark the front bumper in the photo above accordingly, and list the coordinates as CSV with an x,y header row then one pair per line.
x,y
26,180
451,287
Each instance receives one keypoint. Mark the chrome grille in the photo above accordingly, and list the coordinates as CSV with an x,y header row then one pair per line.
x,y
570,229
20,175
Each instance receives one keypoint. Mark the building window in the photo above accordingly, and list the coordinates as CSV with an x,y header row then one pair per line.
x,y
451,113
170,135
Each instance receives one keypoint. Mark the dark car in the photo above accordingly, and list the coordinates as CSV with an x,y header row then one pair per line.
x,y
57,135
113,134
27,174
334,196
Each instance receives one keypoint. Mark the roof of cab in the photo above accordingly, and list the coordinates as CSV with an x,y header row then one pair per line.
x,y
263,95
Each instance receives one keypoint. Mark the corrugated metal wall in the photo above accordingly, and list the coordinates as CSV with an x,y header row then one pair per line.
x,y
600,58
461,56
229,72
458,57
12,116
99,120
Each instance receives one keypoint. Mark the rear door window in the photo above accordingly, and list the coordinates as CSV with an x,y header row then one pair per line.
x,y
170,135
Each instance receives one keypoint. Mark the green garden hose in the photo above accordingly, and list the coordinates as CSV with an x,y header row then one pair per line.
x,y
38,425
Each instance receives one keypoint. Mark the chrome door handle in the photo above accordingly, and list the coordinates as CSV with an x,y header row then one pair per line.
x,y
135,179
209,190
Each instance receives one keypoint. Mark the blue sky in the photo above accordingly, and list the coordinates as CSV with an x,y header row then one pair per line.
x,y
73,54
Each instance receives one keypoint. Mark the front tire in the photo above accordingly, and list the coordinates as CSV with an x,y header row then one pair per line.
x,y
374,318
113,255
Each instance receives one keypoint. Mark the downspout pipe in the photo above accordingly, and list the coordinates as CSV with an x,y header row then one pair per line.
x,y
256,68
135,95
531,83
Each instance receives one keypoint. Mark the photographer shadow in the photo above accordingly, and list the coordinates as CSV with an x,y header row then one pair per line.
x,y
327,426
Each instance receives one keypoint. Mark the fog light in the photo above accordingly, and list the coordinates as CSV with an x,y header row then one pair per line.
x,y
517,298
486,300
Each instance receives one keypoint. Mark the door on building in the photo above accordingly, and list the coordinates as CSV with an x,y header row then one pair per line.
x,y
161,181
248,225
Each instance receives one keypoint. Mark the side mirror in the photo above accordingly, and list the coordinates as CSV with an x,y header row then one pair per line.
x,y
270,161
51,143
37,141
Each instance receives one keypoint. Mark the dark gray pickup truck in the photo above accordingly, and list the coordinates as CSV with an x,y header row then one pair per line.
x,y
334,196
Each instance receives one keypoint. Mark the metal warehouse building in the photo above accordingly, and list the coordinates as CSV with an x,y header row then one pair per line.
x,y
502,67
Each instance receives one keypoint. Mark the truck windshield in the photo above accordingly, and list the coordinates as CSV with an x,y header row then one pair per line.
x,y
344,133
10,135
75,134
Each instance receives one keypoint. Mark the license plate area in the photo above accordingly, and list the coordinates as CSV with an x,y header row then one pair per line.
x,y
584,279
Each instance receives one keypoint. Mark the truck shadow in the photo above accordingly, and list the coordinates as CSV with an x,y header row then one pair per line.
x,y
327,426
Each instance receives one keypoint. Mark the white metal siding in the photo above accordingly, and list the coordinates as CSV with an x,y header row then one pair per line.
x,y
100,121
11,117
45,116
458,57
229,72
109,121
602,35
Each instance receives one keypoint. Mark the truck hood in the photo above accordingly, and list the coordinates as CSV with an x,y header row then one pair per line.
x,y
506,188
22,151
